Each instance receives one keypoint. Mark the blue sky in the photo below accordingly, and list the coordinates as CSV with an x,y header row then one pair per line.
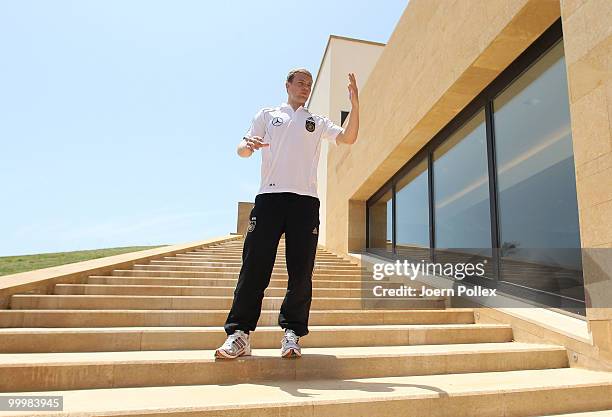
x,y
119,119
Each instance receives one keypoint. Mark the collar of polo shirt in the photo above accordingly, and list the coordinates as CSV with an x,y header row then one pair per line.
x,y
287,106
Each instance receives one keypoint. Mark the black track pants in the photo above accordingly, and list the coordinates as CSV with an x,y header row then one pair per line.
x,y
274,214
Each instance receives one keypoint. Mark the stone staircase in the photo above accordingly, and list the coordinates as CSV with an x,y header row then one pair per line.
x,y
140,342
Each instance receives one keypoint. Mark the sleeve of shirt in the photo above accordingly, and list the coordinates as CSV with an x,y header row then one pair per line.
x,y
330,131
258,125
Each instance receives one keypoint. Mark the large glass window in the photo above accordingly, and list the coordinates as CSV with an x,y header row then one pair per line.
x,y
462,211
412,212
461,188
497,185
538,212
380,229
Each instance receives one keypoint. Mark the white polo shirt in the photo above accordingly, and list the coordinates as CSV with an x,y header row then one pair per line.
x,y
290,163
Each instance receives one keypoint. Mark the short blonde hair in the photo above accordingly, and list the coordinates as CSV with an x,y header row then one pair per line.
x,y
295,71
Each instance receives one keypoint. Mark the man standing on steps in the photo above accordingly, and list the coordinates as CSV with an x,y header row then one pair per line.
x,y
289,137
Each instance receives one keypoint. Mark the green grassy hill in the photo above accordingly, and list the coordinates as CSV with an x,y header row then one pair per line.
x,y
15,264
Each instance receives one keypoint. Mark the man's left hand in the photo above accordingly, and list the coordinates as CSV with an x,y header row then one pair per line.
x,y
353,91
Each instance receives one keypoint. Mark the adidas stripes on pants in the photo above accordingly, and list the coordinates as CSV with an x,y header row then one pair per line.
x,y
274,214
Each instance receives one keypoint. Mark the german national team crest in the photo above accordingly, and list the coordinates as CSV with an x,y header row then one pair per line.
x,y
310,124
252,224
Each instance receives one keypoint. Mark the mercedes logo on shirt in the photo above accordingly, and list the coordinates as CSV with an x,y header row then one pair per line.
x,y
277,121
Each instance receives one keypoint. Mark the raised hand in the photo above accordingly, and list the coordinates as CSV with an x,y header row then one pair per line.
x,y
353,91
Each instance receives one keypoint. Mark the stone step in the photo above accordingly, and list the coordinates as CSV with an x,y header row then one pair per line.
x,y
240,244
147,280
602,413
239,249
236,269
238,254
281,252
131,302
137,332
275,290
96,370
238,263
211,264
213,274
202,318
92,289
32,340
238,258
483,394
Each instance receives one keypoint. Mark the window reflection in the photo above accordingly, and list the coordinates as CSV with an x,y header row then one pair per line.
x,y
538,212
412,207
461,188
461,197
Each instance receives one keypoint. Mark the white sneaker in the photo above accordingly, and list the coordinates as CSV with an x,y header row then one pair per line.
x,y
290,347
236,344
